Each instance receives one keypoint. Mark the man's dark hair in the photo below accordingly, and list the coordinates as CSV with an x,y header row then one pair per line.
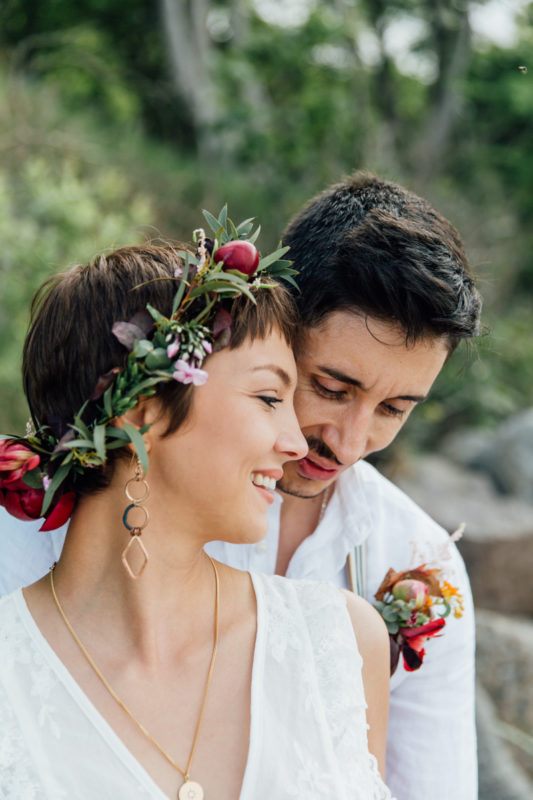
x,y
369,246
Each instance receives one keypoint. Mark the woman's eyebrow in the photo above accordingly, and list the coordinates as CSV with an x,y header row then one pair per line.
x,y
285,377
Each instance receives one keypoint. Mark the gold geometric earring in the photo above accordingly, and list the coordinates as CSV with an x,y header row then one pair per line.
x,y
135,555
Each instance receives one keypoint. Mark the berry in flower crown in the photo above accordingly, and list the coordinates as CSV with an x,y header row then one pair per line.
x,y
38,472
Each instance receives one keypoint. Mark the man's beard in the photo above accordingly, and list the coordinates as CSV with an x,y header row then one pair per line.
x,y
321,449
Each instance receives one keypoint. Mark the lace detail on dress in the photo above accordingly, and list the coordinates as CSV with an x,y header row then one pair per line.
x,y
338,666
19,778
42,726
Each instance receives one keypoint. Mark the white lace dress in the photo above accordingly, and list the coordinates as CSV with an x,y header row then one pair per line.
x,y
308,736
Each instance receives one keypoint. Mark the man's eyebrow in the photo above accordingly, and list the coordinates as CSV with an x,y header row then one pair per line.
x,y
285,377
343,378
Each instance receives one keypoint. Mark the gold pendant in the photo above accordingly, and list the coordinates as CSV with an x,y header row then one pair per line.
x,y
191,791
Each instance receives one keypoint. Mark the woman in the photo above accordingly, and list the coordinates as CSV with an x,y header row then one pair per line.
x,y
140,667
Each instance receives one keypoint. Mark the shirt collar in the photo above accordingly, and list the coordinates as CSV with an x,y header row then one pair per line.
x,y
346,523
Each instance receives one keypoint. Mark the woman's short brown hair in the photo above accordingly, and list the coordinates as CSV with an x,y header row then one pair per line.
x,y
69,344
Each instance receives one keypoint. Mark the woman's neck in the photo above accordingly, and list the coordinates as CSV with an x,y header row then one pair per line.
x,y
174,595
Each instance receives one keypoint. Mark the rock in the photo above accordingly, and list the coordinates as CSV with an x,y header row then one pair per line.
x,y
463,446
498,541
508,457
500,776
505,667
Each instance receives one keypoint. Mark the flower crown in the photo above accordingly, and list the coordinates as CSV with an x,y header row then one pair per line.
x,y
34,468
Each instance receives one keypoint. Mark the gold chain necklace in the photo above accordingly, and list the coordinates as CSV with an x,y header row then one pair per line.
x,y
325,500
190,790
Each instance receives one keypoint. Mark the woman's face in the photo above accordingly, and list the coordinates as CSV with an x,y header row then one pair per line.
x,y
218,471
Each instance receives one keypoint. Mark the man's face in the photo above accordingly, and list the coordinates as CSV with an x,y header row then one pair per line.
x,y
358,382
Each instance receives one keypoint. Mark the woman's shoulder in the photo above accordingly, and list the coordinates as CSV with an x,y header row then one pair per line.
x,y
310,596
311,611
368,626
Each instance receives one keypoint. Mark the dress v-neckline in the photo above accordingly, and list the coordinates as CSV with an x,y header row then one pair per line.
x,y
114,741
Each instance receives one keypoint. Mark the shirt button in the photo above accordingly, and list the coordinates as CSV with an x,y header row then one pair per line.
x,y
261,547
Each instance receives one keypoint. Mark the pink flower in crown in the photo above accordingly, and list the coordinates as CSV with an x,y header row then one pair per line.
x,y
186,373
173,348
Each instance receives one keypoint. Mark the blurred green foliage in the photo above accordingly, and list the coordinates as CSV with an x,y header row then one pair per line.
x,y
104,142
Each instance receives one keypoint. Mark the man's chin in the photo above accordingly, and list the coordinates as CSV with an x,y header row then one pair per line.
x,y
300,487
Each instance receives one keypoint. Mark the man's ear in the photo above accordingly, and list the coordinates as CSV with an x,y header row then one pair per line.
x,y
145,413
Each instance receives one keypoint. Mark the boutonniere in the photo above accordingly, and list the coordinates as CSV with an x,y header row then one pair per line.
x,y
414,605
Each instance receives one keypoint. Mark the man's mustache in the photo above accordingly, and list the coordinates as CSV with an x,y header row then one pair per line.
x,y
321,449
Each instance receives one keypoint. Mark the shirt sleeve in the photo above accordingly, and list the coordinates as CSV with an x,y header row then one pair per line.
x,y
431,747
26,554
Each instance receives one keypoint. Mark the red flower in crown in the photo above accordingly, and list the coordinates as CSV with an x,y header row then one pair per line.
x,y
15,460
21,500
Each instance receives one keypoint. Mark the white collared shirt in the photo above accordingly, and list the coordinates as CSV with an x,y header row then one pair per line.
x,y
431,740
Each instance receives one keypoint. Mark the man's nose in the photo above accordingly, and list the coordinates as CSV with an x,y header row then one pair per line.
x,y
350,437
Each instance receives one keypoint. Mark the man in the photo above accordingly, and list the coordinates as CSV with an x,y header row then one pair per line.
x,y
386,295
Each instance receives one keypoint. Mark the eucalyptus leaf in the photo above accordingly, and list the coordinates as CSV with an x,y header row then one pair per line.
x,y
388,614
108,406
223,215
255,234
80,427
211,221
55,483
114,432
291,280
33,479
99,440
74,443
246,225
154,313
179,295
115,444
138,442
157,359
233,230
142,348
271,258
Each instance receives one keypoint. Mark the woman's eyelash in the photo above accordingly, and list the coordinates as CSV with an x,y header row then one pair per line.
x,y
270,401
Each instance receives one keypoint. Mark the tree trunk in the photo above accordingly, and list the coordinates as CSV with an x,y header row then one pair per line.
x,y
453,49
188,52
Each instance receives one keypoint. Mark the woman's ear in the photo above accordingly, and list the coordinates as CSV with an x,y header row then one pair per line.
x,y
146,412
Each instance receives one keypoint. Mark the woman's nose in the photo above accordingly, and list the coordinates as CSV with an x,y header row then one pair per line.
x,y
291,441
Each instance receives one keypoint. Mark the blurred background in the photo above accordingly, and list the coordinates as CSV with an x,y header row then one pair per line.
x,y
120,120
